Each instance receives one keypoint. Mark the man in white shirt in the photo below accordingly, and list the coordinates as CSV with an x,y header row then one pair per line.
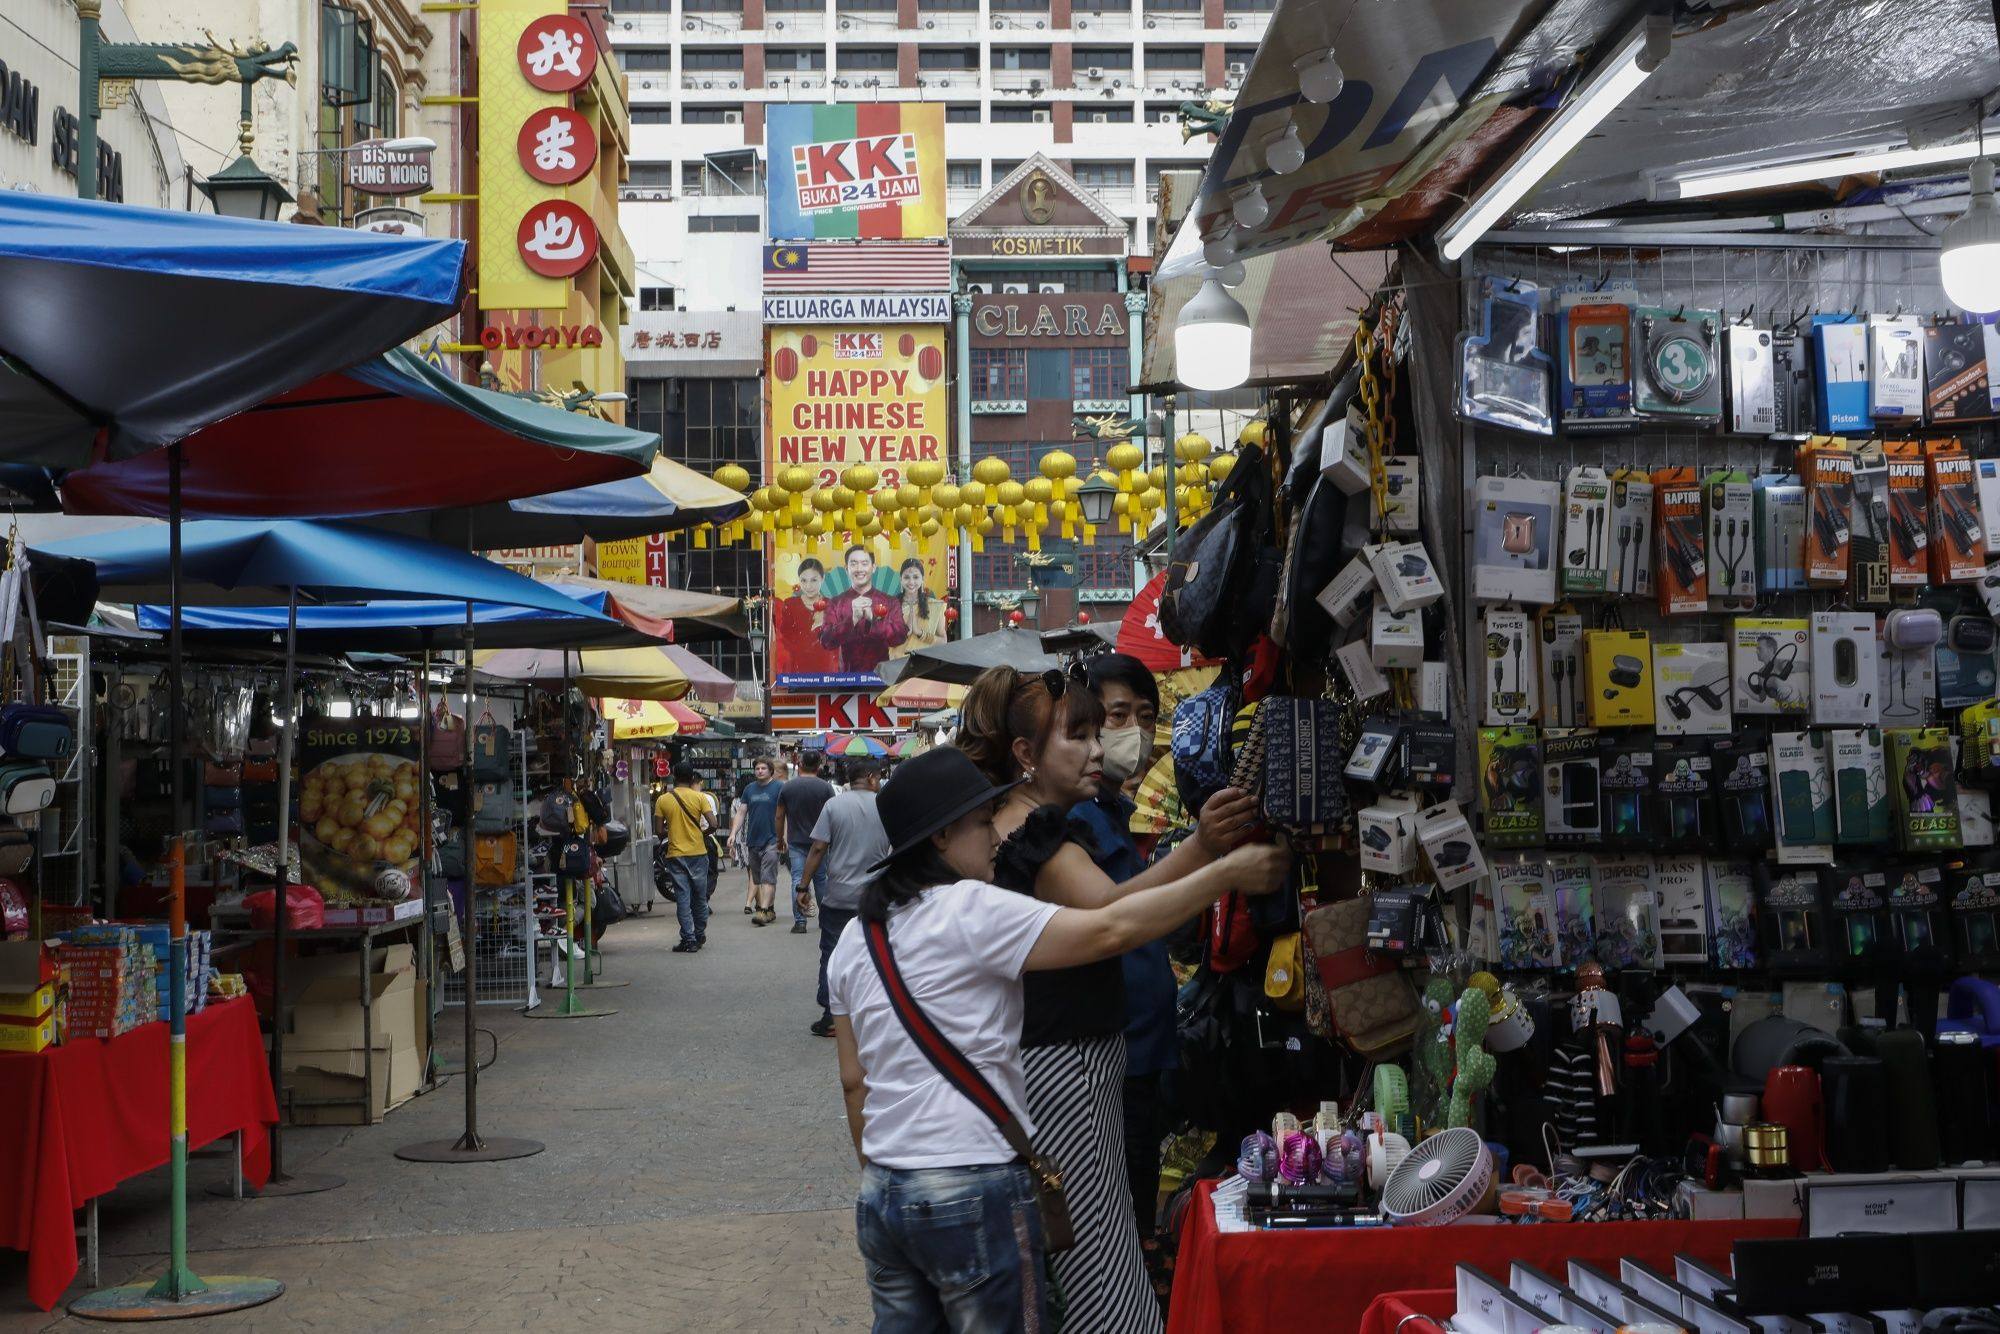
x,y
847,839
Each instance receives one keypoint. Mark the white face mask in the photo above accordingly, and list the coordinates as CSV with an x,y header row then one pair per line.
x,y
1124,751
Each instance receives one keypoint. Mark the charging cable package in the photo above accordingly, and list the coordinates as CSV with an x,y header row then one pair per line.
x,y
1682,886
1895,368
1909,638
1396,638
1741,770
1514,539
1828,473
1625,777
1844,671
1632,531
1987,473
1527,912
1617,666
1505,377
1679,355
1586,545
1387,835
1958,370
1594,329
1871,540
1406,576
1691,689
1572,801
1842,374
1958,539
1781,533
1561,636
1732,550
1770,666
1508,678
1909,506
1628,933
1794,384
1447,841
1752,387
1681,542
1860,787
1803,776
1732,914
1510,787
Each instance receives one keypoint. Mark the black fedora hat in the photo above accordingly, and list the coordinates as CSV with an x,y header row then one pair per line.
x,y
927,793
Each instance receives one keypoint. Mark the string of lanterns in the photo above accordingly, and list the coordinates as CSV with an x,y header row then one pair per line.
x,y
1060,500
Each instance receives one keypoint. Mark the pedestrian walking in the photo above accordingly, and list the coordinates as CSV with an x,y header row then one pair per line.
x,y
947,1218
848,841
684,812
759,840
799,805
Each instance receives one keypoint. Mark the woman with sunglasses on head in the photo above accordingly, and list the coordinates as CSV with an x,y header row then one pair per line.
x,y
925,986
1040,731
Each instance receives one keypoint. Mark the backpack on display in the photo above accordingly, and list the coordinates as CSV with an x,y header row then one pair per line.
x,y
26,786
1209,583
1201,743
557,814
36,731
495,807
492,750
494,857
445,741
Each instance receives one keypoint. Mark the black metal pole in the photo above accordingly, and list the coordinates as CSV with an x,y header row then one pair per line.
x,y
470,1142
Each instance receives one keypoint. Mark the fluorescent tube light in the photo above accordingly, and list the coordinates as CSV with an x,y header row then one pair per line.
x,y
1700,185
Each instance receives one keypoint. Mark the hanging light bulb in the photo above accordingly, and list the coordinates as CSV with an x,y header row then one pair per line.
x,y
1284,152
1212,340
1219,250
1251,208
1969,263
1320,79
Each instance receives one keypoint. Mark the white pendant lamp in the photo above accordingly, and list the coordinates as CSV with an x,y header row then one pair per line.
x,y
1212,340
1969,262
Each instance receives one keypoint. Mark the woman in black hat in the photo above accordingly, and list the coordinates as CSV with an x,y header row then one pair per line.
x,y
925,987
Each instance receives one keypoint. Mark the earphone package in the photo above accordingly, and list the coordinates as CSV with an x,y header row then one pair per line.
x,y
1958,362
1586,546
1528,937
1923,788
1803,775
1958,539
1691,689
1732,550
1617,665
1682,886
1752,388
1510,789
1909,519
1842,383
1844,673
1628,934
1895,368
1632,531
1860,787
1781,533
1740,768
1561,636
1625,777
1732,914
1572,809
1907,672
1508,678
1794,387
1770,667
1828,473
1680,541
1514,539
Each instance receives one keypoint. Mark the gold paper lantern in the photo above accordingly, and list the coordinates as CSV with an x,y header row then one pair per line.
x,y
1220,467
972,493
991,471
733,476
859,477
1192,447
947,496
1124,460
927,473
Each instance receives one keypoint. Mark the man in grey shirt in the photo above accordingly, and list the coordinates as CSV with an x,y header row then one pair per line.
x,y
847,839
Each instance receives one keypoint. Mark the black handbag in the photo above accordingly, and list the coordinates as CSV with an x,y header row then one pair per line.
x,y
607,910
1301,625
1203,604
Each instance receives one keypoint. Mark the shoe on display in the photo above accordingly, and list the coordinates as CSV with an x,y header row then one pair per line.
x,y
798,928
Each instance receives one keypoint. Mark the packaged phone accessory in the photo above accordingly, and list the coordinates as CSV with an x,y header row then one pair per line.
x,y
1343,453
1870,542
1594,329
1342,598
1781,533
1792,916
1396,638
1923,788
1376,758
1802,773
1972,887
1586,545
1402,487
1908,672
1732,550
1514,539
1570,878
1828,473
1632,529
1958,363
1617,667
1794,384
1572,791
1406,576
1505,377
1683,796
1510,787
1509,679
1752,389
1770,665
1860,787
1740,767
1628,934
1842,374
1844,672
1527,912
1447,841
1680,364
1855,898
1363,677
1895,368
1682,886
1958,539
1386,832
1691,689
1625,776
1681,542
1732,914
1909,517
1964,675
1561,636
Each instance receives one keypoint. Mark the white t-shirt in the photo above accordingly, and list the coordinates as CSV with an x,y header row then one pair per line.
x,y
961,949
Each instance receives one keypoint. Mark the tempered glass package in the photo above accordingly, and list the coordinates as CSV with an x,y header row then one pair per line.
x,y
1924,788
1625,765
1918,931
1681,884
1627,927
1571,792
1860,787
1683,796
1973,888
1732,914
1855,899
1571,875
1740,767
1802,775
1792,916
1510,788
1527,913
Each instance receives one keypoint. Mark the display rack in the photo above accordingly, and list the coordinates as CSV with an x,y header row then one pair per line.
x,y
66,871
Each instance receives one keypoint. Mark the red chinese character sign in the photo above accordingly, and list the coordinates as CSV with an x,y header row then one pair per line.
x,y
557,239
558,53
556,146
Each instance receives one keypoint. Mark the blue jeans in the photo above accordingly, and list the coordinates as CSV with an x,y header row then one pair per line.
x,y
832,921
952,1248
690,877
798,855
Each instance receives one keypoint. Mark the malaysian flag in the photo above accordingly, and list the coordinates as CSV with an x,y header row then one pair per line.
x,y
857,266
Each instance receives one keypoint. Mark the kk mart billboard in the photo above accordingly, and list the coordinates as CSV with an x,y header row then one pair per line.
x,y
841,395
872,171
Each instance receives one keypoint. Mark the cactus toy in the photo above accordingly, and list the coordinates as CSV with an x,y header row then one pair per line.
x,y
1476,1065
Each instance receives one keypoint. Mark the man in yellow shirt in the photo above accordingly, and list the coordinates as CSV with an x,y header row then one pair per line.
x,y
682,816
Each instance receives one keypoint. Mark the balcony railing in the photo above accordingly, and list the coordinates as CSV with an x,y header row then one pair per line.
x,y
697,25
865,20
1116,23
959,198
948,22
1172,20
787,80
1022,21
948,78
712,81
1175,83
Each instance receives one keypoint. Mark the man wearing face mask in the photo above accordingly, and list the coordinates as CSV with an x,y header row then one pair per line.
x,y
1131,700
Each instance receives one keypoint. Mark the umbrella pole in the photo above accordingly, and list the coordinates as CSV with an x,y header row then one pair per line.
x,y
177,1293
569,1007
426,848
471,1147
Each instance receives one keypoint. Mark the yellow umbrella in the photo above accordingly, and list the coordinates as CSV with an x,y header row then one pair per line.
x,y
918,693
649,719
618,673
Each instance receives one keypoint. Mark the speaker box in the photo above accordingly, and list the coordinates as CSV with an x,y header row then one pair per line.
x,y
1856,1089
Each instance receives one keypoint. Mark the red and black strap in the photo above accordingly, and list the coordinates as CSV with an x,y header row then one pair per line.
x,y
939,1050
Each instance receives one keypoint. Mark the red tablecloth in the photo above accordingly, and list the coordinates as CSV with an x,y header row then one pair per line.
x,y
1386,1314
1324,1280
78,1119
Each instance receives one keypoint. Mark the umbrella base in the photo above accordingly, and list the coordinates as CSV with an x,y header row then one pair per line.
x,y
601,984
478,1150
144,1301
292,1183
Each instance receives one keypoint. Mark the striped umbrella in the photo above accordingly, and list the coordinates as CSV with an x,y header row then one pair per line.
x,y
907,745
855,744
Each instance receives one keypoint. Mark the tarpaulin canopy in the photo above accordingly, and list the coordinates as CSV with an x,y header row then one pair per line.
x,y
392,625
635,673
152,324
650,719
962,660
390,435
675,614
708,682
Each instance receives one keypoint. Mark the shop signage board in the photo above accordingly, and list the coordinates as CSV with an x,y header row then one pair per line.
x,y
634,560
539,560
511,335
873,170
860,308
838,711
556,146
1046,317
360,782
390,220
374,169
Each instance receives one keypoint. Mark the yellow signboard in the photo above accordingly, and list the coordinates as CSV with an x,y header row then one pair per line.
x,y
506,191
623,561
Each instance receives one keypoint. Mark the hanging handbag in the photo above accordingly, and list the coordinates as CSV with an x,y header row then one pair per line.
x,y
26,786
959,1072
1371,1003
17,850
492,750
1201,743
445,742
1304,791
36,731
1208,583
1231,937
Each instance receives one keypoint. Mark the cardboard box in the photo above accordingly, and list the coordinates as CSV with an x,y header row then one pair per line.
x,y
28,1005
325,1053
1406,576
28,1038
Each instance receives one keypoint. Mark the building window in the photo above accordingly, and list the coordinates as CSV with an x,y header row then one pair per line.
x,y
1114,113
961,113
961,175
646,58
1020,57
948,58
1155,169
999,373
713,115
1019,113
1181,58
728,59
1239,55
656,298
652,113
651,176
1099,372
1020,6
1104,175
1173,6
1249,6
779,59
1089,280
1103,57
865,6
643,6
795,6
712,6
722,222
947,6
865,59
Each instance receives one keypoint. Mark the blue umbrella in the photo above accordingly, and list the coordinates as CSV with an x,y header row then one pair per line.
x,y
148,325
394,625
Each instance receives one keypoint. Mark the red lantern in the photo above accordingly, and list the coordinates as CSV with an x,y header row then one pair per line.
x,y
1083,618
1016,616
785,364
906,346
951,615
808,346
930,364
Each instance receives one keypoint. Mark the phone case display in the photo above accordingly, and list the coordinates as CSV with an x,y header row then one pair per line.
x,y
1691,689
1617,669
1802,774
1504,375
1972,888
1571,876
1828,474
1628,933
1923,789
1732,914
1795,384
1593,331
1958,540
1561,636
1958,361
1770,665
1527,913
1844,671
1895,368
1632,525
1510,766
1625,777
1855,899
1732,550
1841,375
1514,539
1680,362
1753,389
1909,518
1916,914
1860,787
1681,884
1679,537
1572,791
1586,545
1781,532
1510,678
1741,766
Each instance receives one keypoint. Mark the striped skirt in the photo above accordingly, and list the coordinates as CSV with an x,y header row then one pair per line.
x,y
1076,1099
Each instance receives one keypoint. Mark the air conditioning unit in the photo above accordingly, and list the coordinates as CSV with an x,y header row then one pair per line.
x,y
779,24
1049,287
1238,70
733,83
1152,23
930,23
689,25
732,118
846,24
1094,72
1081,25
1234,23
1014,289
979,289
1170,118
1040,115
708,83
840,83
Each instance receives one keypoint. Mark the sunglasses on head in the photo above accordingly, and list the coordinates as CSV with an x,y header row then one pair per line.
x,y
1057,680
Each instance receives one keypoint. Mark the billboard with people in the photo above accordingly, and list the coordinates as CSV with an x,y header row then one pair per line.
x,y
842,606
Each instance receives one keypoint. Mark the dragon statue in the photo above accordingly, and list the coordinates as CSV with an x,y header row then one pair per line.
x,y
1107,429
217,63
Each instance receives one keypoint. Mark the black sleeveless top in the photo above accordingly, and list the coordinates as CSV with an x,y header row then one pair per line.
x,y
1066,1004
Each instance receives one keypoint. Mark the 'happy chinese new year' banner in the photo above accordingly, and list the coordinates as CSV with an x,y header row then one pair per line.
x,y
873,171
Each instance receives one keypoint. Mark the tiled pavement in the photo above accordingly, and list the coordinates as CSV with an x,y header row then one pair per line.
x,y
698,1174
